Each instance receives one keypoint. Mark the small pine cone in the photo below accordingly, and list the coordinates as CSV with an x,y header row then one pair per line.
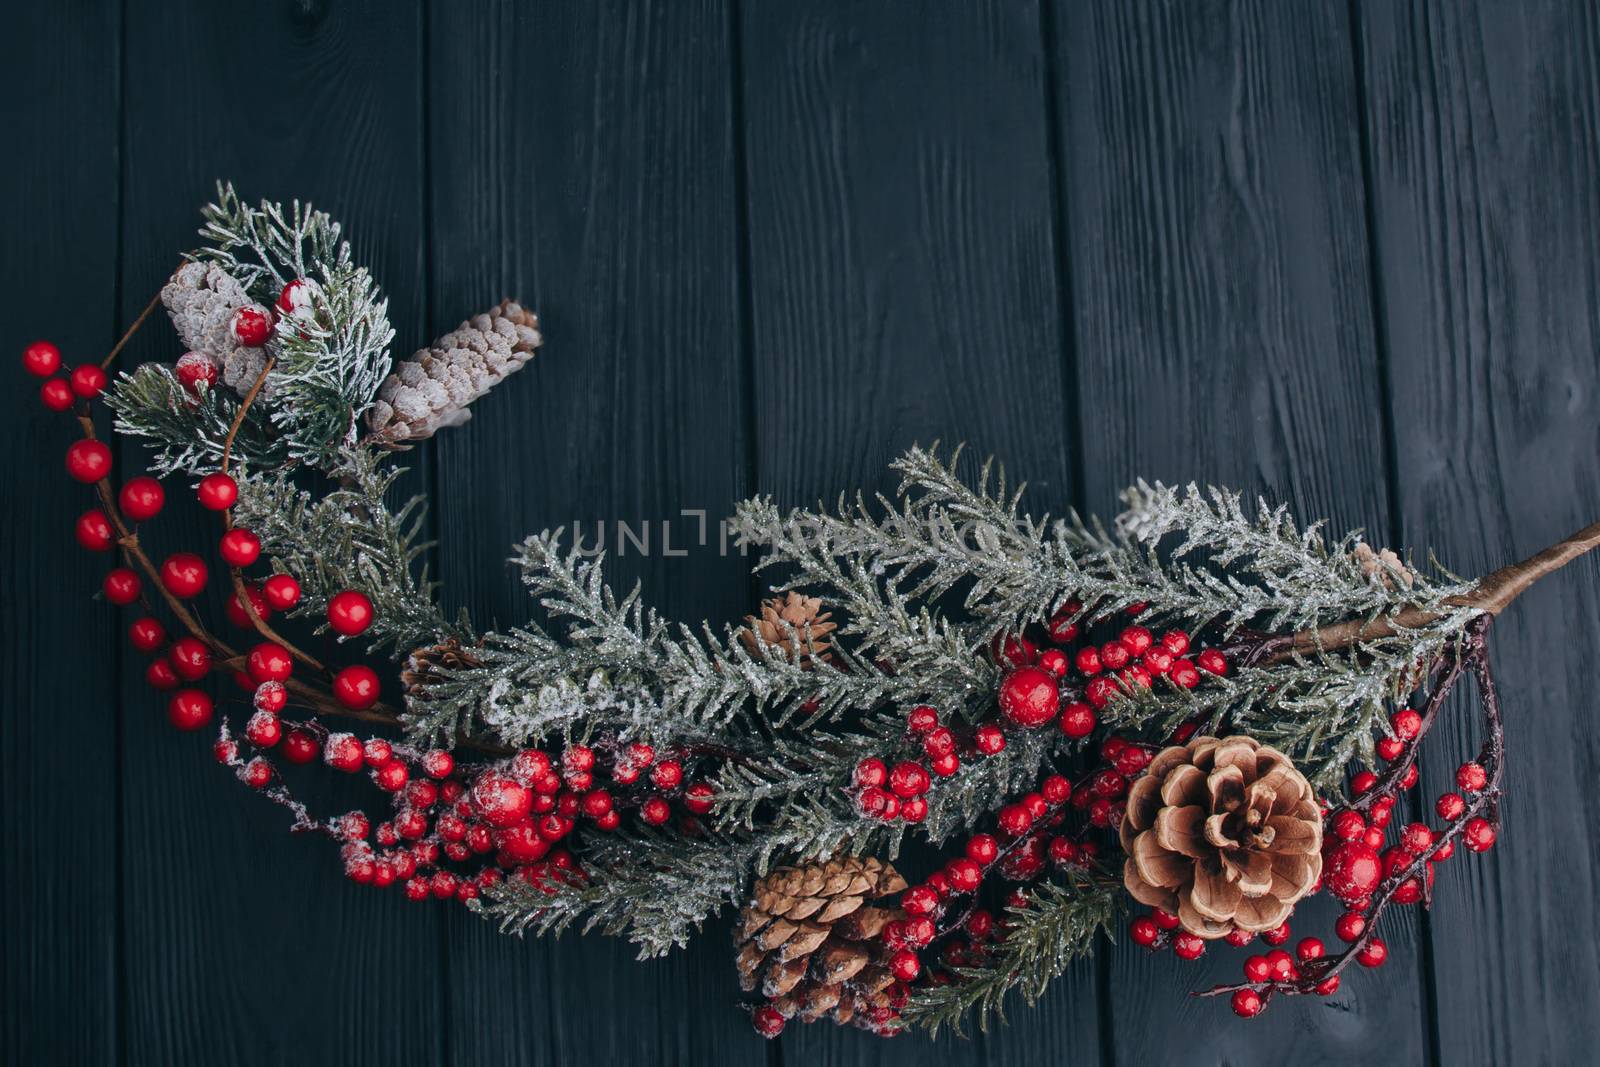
x,y
1383,566
432,389
1224,834
782,619
426,666
808,939
201,299
240,369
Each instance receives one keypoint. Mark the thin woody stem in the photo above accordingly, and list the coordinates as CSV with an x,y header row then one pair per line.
x,y
155,302
1493,593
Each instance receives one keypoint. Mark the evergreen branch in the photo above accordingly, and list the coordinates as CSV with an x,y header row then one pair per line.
x,y
188,432
349,539
1056,925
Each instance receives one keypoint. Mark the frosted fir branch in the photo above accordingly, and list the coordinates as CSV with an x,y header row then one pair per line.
x,y
350,539
266,247
187,431
654,890
1058,924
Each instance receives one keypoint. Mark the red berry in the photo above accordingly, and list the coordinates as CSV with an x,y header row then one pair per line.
x,y
1328,986
1100,690
698,798
252,325
1277,935
1144,931
141,499
1164,919
1013,651
1053,661
1078,720
871,772
1281,966
1212,662
921,719
989,739
349,612
1029,697
1409,779
196,371
1014,819
964,875
147,634
184,574
189,709
160,675
1056,789
1416,838
1310,948
655,811
299,746
217,492
240,547
1450,806
1239,938
1350,926
596,803
41,358
1063,851
1061,626
88,460
1187,946
1363,782
1115,655
1352,871
122,586
909,779
264,729
1257,969
767,1021
295,298
88,381
939,742
1348,825
256,774
1246,1003
1406,723
1137,639
269,662
1479,834
668,774
1088,661
919,900
1471,777
343,752
905,966
281,591
438,763
914,809
93,530
1373,953
1183,673
1391,748
356,687
1175,642
946,765
191,658
982,849
55,395
235,607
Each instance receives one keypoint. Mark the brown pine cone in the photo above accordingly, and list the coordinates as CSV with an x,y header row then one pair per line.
x,y
778,615
808,940
424,666
432,389
1223,834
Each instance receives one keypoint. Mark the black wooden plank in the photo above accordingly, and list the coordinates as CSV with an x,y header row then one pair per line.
x,y
1486,171
244,944
903,289
58,775
584,163
1212,182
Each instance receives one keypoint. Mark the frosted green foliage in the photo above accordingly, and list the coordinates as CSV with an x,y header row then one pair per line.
x,y
1059,924
187,432
348,538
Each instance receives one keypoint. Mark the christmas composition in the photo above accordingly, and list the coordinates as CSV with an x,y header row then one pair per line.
x,y
959,747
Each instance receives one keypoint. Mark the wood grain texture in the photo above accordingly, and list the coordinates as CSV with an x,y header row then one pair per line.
x,y
1486,193
1212,182
584,163
902,289
58,693
245,944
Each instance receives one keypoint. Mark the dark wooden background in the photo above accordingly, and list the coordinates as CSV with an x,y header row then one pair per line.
x,y
1345,254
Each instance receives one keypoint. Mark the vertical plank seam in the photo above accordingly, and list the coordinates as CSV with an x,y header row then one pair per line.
x,y
744,303
1072,395
119,949
1377,308
430,475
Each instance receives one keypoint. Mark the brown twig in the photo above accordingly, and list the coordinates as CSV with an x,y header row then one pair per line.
x,y
155,302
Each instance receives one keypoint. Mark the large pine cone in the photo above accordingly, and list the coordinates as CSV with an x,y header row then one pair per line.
x,y
1224,834
808,940
432,389
773,628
